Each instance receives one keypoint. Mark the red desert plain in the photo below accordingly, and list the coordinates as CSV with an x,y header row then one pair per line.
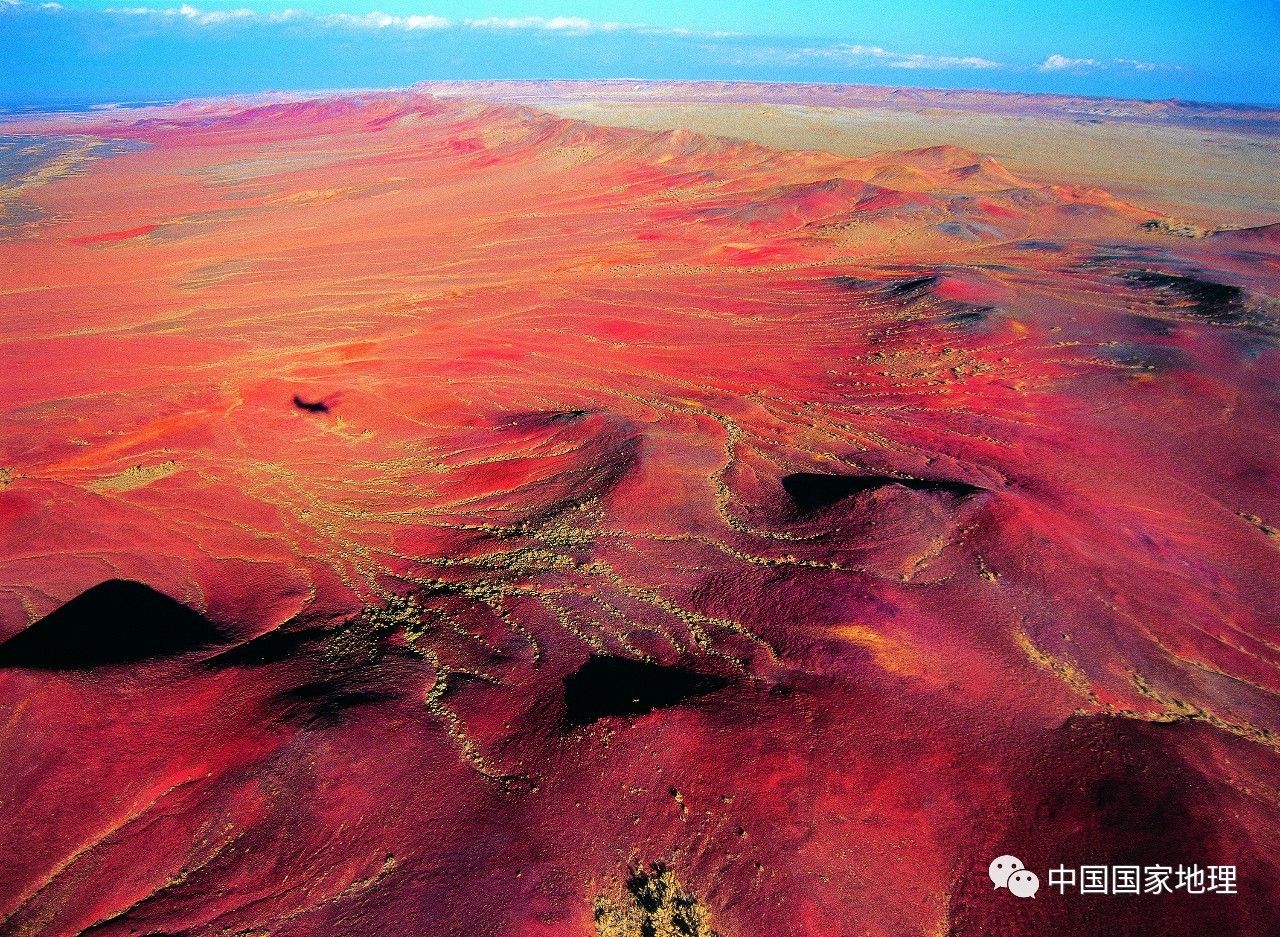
x,y
428,515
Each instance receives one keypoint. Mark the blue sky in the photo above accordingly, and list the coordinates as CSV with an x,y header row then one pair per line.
x,y
125,50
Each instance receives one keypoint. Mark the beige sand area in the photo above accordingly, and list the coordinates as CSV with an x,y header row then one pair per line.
x,y
1211,176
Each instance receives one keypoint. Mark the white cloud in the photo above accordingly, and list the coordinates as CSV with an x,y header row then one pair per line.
x,y
190,13
377,20
567,24
1059,63
578,26
200,17
1063,63
943,61
862,56
1148,66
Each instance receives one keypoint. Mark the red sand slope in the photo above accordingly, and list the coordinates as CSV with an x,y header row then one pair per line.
x,y
942,508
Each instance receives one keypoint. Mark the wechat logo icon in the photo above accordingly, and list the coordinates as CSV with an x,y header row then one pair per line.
x,y
1009,872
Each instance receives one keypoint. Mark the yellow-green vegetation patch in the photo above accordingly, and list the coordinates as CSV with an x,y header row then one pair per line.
x,y
653,904
136,476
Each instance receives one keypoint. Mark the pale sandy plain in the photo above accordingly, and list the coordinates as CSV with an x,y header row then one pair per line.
x,y
1167,156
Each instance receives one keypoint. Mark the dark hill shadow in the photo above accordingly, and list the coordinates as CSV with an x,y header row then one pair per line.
x,y
617,686
811,491
114,623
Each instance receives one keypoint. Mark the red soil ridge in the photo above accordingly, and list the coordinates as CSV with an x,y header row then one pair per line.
x,y
816,529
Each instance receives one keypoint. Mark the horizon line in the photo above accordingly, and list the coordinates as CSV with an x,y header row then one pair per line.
x,y
54,100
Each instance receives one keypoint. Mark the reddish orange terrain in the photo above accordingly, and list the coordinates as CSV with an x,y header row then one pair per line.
x,y
432,518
